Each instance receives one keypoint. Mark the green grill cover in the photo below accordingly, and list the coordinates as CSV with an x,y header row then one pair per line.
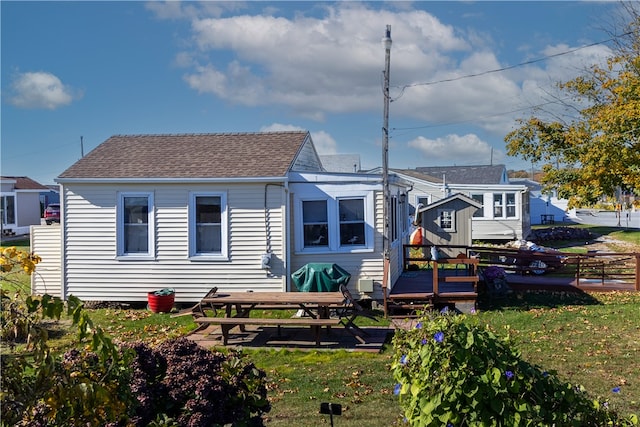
x,y
316,277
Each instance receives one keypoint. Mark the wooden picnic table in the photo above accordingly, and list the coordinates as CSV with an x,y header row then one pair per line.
x,y
316,305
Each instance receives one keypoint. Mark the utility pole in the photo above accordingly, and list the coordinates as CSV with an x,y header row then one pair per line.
x,y
386,43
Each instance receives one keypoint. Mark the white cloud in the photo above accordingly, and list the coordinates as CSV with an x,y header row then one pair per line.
x,y
40,90
456,149
329,61
324,143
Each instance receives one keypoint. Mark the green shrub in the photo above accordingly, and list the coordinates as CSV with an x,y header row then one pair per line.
x,y
177,383
40,388
451,372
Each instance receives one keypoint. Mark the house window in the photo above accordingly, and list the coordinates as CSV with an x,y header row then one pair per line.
x,y
207,225
135,224
504,205
352,223
393,219
498,208
422,200
478,198
8,209
315,223
446,219
511,205
331,219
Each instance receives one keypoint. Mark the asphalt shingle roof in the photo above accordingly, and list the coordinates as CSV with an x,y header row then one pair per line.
x,y
483,174
26,183
221,155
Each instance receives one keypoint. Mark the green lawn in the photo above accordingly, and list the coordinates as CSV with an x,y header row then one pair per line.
x,y
589,339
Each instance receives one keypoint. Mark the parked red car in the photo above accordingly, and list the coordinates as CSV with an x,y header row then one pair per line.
x,y
52,213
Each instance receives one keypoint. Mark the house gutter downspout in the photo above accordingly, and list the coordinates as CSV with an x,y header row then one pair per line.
x,y
287,237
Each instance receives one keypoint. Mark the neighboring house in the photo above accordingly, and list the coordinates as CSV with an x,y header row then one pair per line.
x,y
236,211
479,174
544,207
349,163
505,212
448,222
19,204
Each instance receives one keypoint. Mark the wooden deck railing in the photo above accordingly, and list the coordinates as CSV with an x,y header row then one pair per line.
x,y
609,267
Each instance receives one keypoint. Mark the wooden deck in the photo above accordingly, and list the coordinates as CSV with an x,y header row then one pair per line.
x,y
429,288
451,281
551,283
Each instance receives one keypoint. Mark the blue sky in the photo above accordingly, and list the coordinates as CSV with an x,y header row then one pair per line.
x,y
96,69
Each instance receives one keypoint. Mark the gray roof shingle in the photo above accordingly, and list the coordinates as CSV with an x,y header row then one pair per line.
x,y
483,174
220,155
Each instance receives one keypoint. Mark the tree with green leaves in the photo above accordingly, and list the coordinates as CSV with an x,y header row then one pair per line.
x,y
595,153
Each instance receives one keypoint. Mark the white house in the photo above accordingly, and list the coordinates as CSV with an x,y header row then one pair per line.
x,y
546,208
505,212
19,203
238,211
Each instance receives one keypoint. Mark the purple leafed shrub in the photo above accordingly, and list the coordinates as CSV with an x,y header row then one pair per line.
x,y
493,272
196,387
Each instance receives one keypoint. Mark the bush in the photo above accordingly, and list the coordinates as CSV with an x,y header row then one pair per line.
x,y
451,372
191,386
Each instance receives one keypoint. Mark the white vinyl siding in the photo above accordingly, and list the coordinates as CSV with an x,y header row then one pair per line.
x,y
46,242
94,272
360,264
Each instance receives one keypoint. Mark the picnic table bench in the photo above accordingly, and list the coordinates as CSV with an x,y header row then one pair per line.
x,y
228,323
316,308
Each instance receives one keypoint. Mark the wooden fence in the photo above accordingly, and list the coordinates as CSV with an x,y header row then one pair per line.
x,y
604,268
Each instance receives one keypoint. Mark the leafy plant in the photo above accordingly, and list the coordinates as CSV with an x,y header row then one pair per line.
x,y
450,371
176,384
192,386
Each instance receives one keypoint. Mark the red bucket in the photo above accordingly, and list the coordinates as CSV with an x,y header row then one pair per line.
x,y
161,301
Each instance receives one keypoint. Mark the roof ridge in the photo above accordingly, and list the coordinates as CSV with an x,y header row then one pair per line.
x,y
146,135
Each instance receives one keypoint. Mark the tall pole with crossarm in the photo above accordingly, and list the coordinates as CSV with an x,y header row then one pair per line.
x,y
386,42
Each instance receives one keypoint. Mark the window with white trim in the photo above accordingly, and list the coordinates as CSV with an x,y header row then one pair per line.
x,y
135,225
329,219
393,219
479,198
498,207
446,219
504,205
208,225
8,209
352,222
315,223
423,200
511,205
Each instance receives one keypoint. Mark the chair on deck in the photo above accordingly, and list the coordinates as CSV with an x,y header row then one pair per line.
x,y
350,312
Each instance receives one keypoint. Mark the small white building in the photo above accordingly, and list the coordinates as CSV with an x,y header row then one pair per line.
x,y
546,208
505,211
20,204
236,211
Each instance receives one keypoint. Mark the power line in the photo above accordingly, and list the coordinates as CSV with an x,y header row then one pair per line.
x,y
509,67
479,118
